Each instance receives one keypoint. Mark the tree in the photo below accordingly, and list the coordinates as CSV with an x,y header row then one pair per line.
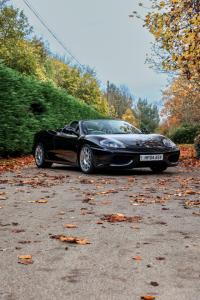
x,y
148,115
13,24
120,99
17,49
181,103
21,51
129,116
175,25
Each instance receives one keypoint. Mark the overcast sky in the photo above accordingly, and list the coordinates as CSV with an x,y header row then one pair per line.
x,y
100,34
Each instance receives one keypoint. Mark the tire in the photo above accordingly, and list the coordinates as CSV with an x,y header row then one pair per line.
x,y
40,155
86,160
158,169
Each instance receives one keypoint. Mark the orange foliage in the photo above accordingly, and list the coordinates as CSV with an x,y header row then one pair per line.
x,y
12,164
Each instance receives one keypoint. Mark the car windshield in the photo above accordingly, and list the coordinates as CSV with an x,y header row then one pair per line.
x,y
109,127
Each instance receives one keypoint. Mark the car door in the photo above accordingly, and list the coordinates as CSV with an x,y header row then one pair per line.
x,y
65,146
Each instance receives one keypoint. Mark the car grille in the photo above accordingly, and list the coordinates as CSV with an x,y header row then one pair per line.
x,y
147,150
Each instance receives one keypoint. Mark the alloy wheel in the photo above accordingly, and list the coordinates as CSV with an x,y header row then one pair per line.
x,y
86,163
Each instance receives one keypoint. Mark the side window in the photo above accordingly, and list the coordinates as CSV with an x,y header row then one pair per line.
x,y
75,126
77,129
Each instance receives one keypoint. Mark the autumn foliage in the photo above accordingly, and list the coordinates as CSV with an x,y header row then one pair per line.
x,y
13,164
175,26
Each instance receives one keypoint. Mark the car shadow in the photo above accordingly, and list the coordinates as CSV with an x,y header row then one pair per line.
x,y
116,172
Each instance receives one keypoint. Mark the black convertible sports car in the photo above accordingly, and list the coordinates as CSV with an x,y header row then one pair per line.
x,y
104,143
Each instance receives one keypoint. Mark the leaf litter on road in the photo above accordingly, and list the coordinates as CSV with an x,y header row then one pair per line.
x,y
70,226
137,258
113,218
25,259
148,297
70,239
189,204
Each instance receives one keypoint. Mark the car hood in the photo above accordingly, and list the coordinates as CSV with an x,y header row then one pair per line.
x,y
134,140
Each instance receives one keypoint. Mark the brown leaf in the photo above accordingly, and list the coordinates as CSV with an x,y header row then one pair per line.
x,y
18,230
190,192
121,218
42,201
154,283
70,226
88,199
137,257
160,258
25,259
70,239
192,203
86,181
115,218
28,256
112,191
196,214
82,241
148,297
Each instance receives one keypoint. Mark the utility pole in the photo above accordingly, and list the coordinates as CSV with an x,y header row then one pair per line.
x,y
108,90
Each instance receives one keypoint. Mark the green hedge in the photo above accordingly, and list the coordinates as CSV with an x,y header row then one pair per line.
x,y
28,105
185,134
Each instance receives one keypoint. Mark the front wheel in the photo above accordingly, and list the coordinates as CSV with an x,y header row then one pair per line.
x,y
86,160
40,157
158,169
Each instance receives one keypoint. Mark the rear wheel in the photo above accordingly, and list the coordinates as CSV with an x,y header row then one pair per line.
x,y
86,161
158,169
40,157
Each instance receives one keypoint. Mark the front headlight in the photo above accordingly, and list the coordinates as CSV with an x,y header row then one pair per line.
x,y
168,143
112,144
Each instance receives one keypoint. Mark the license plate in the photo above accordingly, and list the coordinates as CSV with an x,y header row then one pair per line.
x,y
155,157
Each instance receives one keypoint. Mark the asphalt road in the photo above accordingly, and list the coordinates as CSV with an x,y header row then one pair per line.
x,y
155,253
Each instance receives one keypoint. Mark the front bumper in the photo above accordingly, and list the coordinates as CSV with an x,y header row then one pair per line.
x,y
131,159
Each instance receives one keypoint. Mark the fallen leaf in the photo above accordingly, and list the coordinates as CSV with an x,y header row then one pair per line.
x,y
121,218
192,203
28,256
70,239
196,214
190,192
86,181
148,297
88,199
137,257
154,283
41,201
82,241
107,192
18,230
70,226
25,259
160,258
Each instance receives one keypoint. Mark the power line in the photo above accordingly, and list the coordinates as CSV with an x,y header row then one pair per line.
x,y
52,33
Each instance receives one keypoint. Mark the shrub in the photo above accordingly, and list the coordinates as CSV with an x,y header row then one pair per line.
x,y
28,105
185,134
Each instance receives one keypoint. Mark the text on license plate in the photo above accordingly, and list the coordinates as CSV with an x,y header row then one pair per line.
x,y
151,157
